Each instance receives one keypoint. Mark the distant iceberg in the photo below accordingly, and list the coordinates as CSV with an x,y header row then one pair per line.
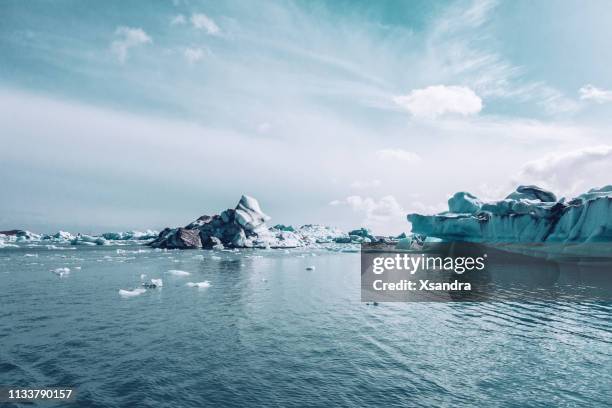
x,y
528,215
245,227
130,235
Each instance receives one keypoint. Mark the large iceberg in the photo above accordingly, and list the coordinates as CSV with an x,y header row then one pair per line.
x,y
241,227
528,215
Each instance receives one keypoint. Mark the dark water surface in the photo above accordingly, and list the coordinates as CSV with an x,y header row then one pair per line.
x,y
267,332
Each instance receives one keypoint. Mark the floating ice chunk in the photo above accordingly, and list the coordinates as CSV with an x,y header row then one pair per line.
x,y
131,293
61,272
78,268
177,272
157,282
200,285
31,256
216,258
310,268
142,276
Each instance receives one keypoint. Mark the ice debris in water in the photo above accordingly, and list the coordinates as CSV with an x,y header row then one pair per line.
x,y
200,285
177,272
157,282
142,276
528,215
131,293
61,272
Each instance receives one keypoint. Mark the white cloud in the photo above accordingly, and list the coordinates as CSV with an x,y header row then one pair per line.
x,y
591,93
569,172
382,216
398,154
203,22
128,38
178,20
438,100
364,184
194,54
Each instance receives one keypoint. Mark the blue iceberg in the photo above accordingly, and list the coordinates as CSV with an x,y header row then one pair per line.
x,y
528,215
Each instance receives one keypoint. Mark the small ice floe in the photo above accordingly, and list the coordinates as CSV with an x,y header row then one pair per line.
x,y
199,257
78,268
143,276
177,272
264,280
310,268
131,293
30,256
61,272
216,258
199,285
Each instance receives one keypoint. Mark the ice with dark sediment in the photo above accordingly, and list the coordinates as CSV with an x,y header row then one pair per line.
x,y
245,227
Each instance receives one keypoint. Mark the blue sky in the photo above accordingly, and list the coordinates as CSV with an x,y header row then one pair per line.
x,y
120,115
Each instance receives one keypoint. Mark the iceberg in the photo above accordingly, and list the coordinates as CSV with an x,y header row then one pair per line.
x,y
130,235
60,236
319,234
241,227
18,236
528,215
82,239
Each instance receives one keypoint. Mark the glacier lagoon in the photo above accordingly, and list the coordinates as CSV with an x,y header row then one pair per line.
x,y
268,332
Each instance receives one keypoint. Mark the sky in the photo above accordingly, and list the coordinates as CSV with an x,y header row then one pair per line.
x,y
132,115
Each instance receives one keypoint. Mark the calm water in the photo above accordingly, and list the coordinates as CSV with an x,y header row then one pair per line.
x,y
267,332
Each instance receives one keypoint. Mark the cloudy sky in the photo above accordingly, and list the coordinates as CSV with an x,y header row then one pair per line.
x,y
120,115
